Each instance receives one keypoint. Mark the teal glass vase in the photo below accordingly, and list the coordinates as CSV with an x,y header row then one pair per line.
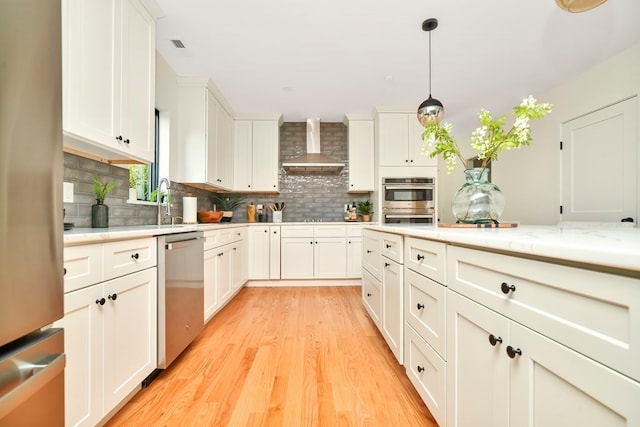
x,y
478,201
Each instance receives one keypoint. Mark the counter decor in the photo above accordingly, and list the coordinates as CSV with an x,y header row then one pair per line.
x,y
479,201
100,211
226,204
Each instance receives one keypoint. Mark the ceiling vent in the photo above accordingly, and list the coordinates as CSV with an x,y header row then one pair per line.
x,y
313,161
178,44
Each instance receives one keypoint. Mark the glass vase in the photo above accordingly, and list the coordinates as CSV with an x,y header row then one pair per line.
x,y
478,201
99,215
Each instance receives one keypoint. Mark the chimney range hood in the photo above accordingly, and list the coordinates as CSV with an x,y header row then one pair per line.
x,y
313,161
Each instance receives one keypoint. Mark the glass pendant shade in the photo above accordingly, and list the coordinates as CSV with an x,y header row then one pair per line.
x,y
431,110
578,5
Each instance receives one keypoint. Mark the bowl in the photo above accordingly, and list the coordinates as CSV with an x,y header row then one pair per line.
x,y
209,216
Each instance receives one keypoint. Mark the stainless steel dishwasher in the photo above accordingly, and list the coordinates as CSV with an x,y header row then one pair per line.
x,y
180,293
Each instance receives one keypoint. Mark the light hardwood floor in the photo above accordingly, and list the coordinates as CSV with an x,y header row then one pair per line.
x,y
295,356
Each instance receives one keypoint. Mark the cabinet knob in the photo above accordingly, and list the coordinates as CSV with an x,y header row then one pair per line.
x,y
349,241
64,271
266,231
126,141
420,306
119,138
388,246
275,232
368,251
411,161
420,368
369,294
420,257
406,160
274,186
505,288
100,301
512,352
248,185
386,264
135,256
495,340
113,296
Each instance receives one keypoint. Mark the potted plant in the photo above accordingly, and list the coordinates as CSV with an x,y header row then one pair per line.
x,y
365,209
226,204
100,211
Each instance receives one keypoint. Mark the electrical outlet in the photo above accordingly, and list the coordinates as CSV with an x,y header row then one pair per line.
x,y
67,192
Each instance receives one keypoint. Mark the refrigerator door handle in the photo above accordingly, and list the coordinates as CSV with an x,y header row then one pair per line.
x,y
16,389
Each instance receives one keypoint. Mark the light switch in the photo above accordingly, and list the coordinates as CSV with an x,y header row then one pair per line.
x,y
67,192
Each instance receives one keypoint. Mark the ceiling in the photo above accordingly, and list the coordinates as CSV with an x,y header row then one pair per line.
x,y
327,58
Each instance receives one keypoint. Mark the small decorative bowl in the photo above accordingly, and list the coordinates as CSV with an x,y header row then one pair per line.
x,y
209,216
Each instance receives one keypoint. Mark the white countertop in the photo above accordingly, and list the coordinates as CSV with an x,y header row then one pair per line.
x,y
607,246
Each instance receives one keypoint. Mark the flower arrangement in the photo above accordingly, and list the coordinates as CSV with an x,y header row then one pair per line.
x,y
490,139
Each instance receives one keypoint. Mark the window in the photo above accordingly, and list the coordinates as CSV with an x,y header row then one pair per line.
x,y
144,178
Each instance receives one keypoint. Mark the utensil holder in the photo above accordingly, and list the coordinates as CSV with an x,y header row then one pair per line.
x,y
277,216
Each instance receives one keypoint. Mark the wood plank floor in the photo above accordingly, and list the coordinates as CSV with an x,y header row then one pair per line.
x,y
295,356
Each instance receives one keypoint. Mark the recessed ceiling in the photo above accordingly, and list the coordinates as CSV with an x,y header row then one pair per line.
x,y
331,57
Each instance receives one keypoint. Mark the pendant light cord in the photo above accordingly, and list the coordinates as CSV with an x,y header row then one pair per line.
x,y
429,64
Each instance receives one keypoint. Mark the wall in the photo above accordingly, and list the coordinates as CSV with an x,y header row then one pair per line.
x,y
530,178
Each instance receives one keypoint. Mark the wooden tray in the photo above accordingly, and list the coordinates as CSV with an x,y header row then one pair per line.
x,y
487,225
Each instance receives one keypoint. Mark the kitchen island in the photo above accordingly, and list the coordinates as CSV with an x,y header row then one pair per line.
x,y
532,325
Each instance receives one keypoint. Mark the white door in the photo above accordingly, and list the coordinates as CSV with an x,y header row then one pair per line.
x,y
599,165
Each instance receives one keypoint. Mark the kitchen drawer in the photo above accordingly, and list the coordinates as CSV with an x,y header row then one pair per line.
x,y
296,231
239,233
330,230
392,247
427,372
82,266
354,231
228,235
594,313
128,256
371,256
425,302
211,239
372,297
426,257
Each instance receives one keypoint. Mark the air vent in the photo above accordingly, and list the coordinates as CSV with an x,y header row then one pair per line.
x,y
178,44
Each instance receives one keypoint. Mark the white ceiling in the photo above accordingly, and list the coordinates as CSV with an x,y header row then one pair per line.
x,y
326,58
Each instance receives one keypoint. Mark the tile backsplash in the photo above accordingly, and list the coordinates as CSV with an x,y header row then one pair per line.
x,y
307,197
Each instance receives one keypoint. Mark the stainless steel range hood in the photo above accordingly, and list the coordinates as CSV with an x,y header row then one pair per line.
x,y
313,161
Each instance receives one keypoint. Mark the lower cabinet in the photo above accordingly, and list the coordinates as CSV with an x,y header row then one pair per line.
x,y
392,325
313,252
110,343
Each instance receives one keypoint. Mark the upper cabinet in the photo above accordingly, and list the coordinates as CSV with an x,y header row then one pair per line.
x,y
399,139
109,78
205,155
256,153
361,153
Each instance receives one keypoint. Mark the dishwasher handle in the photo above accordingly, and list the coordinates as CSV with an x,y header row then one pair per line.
x,y
181,243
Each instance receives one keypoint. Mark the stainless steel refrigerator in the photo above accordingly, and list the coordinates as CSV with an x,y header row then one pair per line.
x,y
31,214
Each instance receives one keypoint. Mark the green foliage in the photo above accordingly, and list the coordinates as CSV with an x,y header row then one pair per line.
x,y
101,190
490,139
365,208
227,203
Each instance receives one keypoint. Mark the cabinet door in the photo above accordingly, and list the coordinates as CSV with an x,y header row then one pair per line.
x,y
83,346
330,257
392,307
371,297
224,149
371,256
239,265
243,145
274,252
90,78
265,156
258,257
361,161
297,257
553,386
416,158
354,257
211,137
477,371
137,100
224,272
130,334
211,302
393,137
425,309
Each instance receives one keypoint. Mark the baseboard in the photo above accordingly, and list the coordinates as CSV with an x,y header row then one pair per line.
x,y
301,282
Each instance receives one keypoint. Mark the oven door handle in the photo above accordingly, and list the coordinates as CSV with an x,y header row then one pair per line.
x,y
409,187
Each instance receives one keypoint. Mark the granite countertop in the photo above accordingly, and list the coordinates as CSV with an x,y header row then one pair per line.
x,y
593,245
80,236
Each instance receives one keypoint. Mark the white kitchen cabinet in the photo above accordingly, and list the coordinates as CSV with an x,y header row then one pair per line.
x,y
297,257
309,252
238,265
354,257
371,253
372,297
211,301
100,321
361,153
205,127
274,252
264,252
109,78
399,139
257,154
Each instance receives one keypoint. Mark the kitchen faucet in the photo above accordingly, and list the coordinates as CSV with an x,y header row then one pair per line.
x,y
167,211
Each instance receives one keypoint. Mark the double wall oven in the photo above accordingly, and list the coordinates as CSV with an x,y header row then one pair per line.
x,y
408,200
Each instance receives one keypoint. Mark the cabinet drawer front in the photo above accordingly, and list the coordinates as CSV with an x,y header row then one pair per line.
x,y
427,372
128,256
297,231
211,239
239,234
392,247
371,296
82,266
371,257
330,231
595,313
425,302
354,231
226,236
426,257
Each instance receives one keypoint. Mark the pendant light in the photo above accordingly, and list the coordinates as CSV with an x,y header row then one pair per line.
x,y
431,109
578,5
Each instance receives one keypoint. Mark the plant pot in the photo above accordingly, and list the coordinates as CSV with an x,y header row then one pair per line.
x,y
478,201
226,216
366,218
99,215
133,194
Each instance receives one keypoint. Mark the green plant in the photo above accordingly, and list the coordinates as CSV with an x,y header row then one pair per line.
x,y
227,203
365,207
153,196
101,190
490,139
